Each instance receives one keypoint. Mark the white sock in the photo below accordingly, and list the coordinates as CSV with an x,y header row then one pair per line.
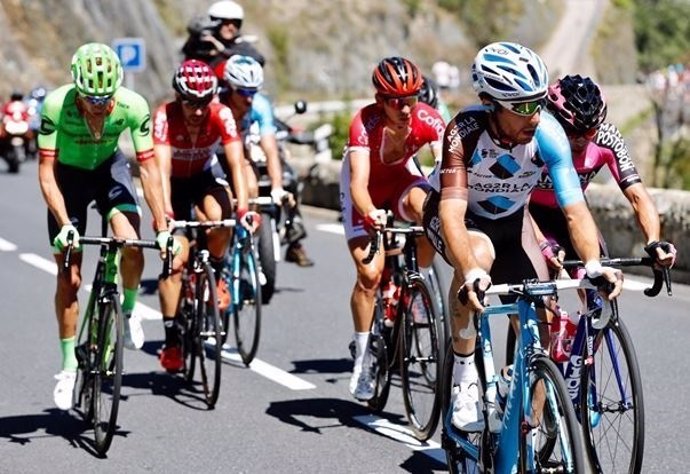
x,y
362,342
464,370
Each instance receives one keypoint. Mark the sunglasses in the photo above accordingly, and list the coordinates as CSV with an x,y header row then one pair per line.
x,y
401,102
245,92
197,104
97,99
588,134
525,109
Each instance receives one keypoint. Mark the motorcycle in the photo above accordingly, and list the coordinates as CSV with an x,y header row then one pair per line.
x,y
281,224
15,135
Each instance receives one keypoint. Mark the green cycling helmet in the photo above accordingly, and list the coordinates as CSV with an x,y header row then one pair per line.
x,y
96,70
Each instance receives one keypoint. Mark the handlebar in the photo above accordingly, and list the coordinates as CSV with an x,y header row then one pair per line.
x,y
203,225
414,230
662,275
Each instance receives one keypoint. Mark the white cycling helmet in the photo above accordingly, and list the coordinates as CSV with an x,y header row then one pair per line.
x,y
243,72
509,72
226,10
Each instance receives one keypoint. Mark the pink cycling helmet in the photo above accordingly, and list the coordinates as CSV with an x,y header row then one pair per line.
x,y
577,102
195,80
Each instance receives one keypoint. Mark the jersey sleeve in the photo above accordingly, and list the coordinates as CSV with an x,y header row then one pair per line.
x,y
554,149
263,115
225,122
453,171
433,124
359,137
139,121
619,161
160,126
50,117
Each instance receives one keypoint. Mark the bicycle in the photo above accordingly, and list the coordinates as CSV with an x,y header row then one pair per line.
x,y
201,323
536,429
412,341
241,272
603,371
100,338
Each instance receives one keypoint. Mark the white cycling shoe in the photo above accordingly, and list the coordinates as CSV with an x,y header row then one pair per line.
x,y
62,394
134,332
362,381
467,415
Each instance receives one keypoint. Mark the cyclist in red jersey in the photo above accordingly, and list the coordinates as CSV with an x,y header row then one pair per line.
x,y
186,133
580,107
377,176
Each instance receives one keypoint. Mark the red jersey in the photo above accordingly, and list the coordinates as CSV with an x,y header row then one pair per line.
x,y
190,158
367,133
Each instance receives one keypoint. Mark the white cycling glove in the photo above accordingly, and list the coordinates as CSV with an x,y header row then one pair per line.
x,y
162,241
278,194
60,242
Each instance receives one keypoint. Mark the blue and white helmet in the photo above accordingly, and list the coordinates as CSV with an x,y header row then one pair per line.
x,y
509,72
244,72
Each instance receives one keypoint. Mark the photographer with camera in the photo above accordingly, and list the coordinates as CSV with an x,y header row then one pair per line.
x,y
214,37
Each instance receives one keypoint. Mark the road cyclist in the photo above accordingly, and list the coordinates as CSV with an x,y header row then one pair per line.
x,y
187,131
376,176
80,162
476,216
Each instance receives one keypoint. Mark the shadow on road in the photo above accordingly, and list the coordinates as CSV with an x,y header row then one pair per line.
x,y
23,429
322,366
174,387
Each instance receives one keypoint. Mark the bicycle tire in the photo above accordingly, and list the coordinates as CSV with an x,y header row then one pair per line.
x,y
107,377
436,288
420,365
267,258
247,311
604,380
188,324
381,351
459,462
207,334
558,426
82,397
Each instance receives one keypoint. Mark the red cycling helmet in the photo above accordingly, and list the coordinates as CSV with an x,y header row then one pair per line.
x,y
397,77
577,102
195,80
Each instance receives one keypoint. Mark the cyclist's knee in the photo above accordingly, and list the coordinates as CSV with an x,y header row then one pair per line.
x,y
68,283
368,279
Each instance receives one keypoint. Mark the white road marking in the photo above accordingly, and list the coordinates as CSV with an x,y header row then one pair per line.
x,y
275,374
39,262
332,228
7,246
402,435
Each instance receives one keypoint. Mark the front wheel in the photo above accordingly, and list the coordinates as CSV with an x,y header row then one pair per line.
x,y
107,376
551,440
420,366
207,337
612,411
380,343
246,308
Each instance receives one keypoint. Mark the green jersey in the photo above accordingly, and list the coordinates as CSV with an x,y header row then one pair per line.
x,y
65,135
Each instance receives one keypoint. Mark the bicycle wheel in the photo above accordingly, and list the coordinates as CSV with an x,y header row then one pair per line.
x,y
462,449
438,292
247,306
420,366
553,443
107,376
207,334
380,343
613,415
82,396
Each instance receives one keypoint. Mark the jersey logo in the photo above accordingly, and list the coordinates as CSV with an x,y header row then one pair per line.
x,y
47,126
505,167
496,204
536,159
144,129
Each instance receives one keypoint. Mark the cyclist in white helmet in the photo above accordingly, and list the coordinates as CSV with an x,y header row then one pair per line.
x,y
216,36
244,78
477,217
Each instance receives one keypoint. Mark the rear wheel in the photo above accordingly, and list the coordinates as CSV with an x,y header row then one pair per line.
x,y
420,366
247,306
612,408
551,428
207,334
107,377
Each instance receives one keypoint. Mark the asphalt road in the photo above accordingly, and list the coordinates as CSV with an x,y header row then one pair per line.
x,y
291,411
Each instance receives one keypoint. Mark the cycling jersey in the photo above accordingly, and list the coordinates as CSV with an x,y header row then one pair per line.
x,y
64,134
190,158
388,182
608,148
497,181
259,118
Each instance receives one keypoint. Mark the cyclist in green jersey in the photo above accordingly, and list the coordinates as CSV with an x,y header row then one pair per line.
x,y
80,162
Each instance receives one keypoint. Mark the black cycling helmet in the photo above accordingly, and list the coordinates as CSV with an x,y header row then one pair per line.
x,y
16,95
429,92
577,102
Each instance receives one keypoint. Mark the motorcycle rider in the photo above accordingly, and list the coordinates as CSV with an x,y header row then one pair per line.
x,y
244,77
215,37
15,122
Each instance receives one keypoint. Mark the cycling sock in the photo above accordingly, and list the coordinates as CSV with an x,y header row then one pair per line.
x,y
69,359
172,335
361,340
129,300
464,370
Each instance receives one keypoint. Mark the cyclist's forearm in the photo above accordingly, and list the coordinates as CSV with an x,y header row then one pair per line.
x,y
646,213
458,249
153,193
270,147
51,191
583,231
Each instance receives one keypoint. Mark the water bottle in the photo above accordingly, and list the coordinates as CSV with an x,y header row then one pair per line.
x,y
390,294
562,334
